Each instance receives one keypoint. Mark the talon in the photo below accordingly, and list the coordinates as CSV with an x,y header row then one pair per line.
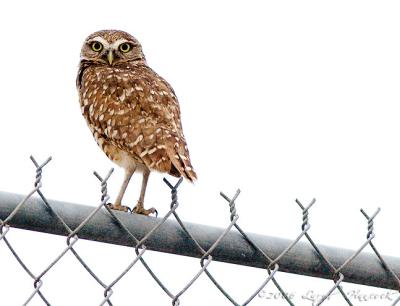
x,y
139,209
118,207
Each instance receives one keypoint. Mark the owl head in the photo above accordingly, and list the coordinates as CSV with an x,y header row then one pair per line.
x,y
112,47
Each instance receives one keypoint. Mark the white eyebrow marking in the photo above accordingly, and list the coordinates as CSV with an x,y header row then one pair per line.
x,y
116,44
104,42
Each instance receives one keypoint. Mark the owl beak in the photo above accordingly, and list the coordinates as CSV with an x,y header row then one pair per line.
x,y
110,57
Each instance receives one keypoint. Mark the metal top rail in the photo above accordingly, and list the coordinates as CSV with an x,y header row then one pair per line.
x,y
365,268
231,244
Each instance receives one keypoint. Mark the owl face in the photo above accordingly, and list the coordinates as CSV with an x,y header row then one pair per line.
x,y
111,47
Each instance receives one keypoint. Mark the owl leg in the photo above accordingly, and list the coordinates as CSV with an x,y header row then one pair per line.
x,y
139,208
117,204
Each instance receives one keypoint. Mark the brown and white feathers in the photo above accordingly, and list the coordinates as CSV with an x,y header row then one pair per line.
x,y
132,112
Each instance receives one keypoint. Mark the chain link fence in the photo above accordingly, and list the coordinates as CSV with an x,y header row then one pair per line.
x,y
206,243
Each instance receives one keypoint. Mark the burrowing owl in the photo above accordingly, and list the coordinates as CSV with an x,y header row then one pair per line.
x,y
132,112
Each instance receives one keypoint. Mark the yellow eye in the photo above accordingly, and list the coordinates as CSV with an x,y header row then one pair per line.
x,y
96,46
125,47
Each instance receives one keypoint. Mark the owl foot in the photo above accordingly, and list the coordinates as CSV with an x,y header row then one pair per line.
x,y
139,209
118,207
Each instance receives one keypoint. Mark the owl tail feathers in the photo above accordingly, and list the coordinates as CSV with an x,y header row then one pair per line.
x,y
181,166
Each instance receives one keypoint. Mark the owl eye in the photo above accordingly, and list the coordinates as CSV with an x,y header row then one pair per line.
x,y
125,47
96,46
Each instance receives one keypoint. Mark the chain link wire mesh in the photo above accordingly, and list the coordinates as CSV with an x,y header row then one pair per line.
x,y
206,255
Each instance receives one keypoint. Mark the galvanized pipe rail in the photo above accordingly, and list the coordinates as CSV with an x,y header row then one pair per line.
x,y
302,258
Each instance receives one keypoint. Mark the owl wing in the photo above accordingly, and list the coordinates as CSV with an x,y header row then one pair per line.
x,y
166,141
141,115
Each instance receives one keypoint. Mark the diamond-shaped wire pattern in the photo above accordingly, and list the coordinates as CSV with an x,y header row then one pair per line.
x,y
204,253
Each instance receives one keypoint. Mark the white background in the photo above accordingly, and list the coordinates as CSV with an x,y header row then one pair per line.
x,y
288,99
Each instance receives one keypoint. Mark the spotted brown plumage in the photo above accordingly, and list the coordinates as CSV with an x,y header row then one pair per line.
x,y
132,112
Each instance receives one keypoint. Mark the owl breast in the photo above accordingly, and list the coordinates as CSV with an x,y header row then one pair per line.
x,y
110,112
134,116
